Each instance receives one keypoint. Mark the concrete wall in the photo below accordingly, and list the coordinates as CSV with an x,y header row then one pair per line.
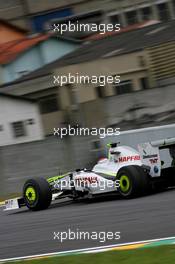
x,y
134,137
152,107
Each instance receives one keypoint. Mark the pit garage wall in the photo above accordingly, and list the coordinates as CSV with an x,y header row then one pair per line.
x,y
46,158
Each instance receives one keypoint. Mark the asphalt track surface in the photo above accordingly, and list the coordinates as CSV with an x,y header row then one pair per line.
x,y
26,233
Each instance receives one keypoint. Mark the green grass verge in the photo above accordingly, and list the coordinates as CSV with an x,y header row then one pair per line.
x,y
155,255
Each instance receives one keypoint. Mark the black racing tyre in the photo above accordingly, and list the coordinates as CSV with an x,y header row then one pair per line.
x,y
133,181
37,194
168,175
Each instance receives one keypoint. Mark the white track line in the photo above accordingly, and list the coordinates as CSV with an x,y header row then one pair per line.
x,y
86,250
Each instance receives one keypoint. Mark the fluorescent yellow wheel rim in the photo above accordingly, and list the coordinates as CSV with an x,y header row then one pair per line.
x,y
30,194
125,183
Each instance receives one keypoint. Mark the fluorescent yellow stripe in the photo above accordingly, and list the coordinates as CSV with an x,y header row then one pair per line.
x,y
135,246
55,178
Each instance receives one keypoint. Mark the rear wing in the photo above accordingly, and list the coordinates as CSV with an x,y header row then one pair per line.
x,y
164,143
150,154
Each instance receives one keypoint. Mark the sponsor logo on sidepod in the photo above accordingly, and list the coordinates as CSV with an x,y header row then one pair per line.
x,y
129,158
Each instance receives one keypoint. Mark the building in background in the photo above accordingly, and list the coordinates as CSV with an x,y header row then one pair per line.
x,y
18,58
19,120
130,12
144,59
33,104
36,15
10,34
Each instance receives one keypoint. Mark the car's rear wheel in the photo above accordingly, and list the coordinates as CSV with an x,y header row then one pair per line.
x,y
37,194
133,181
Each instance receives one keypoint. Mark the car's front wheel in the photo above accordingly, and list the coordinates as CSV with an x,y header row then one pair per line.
x,y
37,194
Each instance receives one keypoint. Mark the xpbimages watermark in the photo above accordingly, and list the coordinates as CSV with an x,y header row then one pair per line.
x,y
85,27
93,182
76,78
81,131
101,236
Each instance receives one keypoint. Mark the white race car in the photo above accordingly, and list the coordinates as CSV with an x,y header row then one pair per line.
x,y
126,171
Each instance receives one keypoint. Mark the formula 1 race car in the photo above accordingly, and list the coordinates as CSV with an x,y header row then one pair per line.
x,y
126,171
